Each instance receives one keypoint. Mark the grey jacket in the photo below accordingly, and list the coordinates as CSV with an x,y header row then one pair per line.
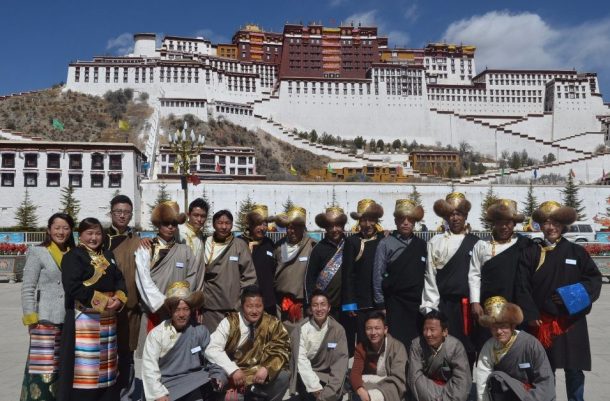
x,y
42,293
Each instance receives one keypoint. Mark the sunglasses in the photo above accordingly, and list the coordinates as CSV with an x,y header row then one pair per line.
x,y
170,223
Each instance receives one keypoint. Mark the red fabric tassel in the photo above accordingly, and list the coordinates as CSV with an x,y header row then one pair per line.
x,y
550,328
527,386
293,308
439,382
153,321
466,316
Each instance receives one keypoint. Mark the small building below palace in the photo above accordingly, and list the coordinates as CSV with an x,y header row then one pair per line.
x,y
437,162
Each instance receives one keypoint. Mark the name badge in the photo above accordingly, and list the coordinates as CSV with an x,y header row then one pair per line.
x,y
332,345
469,253
571,262
113,261
269,253
234,258
525,365
179,264
423,259
446,369
196,349
303,259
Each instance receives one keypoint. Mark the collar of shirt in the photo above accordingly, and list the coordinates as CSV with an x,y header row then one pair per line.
x,y
313,323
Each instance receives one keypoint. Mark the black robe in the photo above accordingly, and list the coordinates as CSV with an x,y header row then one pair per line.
x,y
265,265
566,264
402,284
320,255
357,275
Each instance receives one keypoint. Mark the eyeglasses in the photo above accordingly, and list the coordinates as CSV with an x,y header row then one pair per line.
x,y
169,224
121,213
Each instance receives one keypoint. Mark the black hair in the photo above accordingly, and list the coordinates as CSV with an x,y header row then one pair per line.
x,y
220,213
68,219
319,293
437,315
376,315
200,203
120,199
250,291
88,223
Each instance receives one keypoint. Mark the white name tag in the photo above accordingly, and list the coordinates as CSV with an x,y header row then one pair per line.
x,y
469,253
525,365
269,253
332,345
423,259
113,262
571,262
195,350
179,264
303,259
233,258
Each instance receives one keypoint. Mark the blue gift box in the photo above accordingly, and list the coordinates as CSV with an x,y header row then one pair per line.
x,y
574,297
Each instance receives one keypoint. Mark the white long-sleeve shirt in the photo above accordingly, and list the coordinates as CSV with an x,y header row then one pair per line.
x,y
481,253
215,352
150,294
309,343
159,341
485,366
441,249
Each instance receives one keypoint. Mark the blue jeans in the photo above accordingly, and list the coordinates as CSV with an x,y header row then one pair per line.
x,y
575,384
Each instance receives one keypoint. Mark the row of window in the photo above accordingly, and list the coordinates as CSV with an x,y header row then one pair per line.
x,y
53,180
492,99
75,161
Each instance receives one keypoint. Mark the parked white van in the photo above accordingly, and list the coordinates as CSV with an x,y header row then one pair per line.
x,y
580,232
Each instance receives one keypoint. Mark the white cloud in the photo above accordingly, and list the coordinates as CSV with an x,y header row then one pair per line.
x,y
524,40
411,14
212,36
371,18
121,45
336,3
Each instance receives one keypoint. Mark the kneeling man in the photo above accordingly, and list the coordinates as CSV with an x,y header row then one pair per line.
x,y
379,369
252,347
438,364
173,366
319,354
513,364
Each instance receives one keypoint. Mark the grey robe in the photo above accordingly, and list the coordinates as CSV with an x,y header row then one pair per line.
x,y
329,363
290,272
525,362
450,364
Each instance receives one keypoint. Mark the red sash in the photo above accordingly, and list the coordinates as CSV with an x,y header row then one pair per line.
x,y
550,328
293,308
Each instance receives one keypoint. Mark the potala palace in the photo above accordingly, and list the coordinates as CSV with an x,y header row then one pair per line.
x,y
347,81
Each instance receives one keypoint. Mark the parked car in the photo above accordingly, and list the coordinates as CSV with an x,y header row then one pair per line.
x,y
580,232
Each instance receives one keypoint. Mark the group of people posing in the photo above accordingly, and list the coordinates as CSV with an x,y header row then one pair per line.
x,y
185,316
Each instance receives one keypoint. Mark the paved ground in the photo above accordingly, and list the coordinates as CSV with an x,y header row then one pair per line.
x,y
14,343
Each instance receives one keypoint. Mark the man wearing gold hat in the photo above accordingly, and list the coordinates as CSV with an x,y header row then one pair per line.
x,y
494,263
358,262
512,364
558,284
398,274
261,248
324,267
292,254
173,364
446,278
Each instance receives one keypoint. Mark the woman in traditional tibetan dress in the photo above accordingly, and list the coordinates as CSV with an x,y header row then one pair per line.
x,y
95,292
43,308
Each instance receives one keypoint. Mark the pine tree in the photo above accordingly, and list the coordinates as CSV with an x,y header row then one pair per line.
x,y
570,197
415,196
162,196
287,205
334,202
488,200
244,208
207,228
69,203
26,217
531,203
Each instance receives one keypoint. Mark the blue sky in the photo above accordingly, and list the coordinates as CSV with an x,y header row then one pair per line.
x,y
42,37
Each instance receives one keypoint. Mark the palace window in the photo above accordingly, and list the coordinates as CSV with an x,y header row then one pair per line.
x,y
30,179
97,180
8,160
76,162
53,179
97,161
8,179
114,180
76,180
53,160
116,162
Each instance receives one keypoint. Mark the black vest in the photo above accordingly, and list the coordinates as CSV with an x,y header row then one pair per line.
x,y
452,279
499,273
404,277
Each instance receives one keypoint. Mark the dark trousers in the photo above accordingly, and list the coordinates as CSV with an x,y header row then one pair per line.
x,y
575,384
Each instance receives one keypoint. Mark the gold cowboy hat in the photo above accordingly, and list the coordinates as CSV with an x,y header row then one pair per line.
x,y
553,210
294,215
258,214
408,208
180,291
499,310
167,212
332,215
504,209
367,207
452,202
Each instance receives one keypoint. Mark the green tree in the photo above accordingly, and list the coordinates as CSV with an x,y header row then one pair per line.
x,y
313,136
287,205
380,145
489,199
396,144
531,203
207,228
415,196
334,202
245,207
162,196
372,145
26,217
70,205
359,142
570,197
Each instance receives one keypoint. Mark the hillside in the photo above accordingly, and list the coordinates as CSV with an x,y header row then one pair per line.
x,y
85,118
273,157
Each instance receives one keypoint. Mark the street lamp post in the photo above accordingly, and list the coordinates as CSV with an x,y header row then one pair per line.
x,y
185,147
